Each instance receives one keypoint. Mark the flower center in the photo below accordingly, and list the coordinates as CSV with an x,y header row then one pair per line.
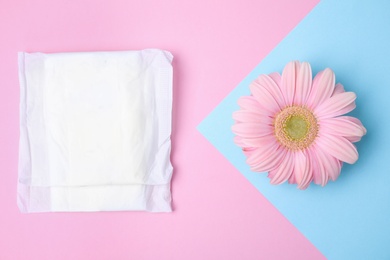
x,y
295,127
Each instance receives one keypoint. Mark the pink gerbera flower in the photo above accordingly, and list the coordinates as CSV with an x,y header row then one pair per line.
x,y
293,127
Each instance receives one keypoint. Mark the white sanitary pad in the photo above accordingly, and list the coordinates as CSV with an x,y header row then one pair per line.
x,y
95,131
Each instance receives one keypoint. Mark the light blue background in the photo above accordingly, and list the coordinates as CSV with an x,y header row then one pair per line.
x,y
349,218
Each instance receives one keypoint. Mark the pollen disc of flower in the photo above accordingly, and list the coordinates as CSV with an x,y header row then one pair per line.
x,y
295,127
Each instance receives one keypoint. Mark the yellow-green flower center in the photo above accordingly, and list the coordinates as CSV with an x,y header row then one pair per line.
x,y
295,127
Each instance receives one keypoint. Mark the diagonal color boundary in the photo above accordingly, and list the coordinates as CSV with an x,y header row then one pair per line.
x,y
350,218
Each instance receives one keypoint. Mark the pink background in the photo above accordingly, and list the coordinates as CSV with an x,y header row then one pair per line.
x,y
217,214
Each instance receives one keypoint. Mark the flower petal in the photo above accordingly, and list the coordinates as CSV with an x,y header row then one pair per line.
x,y
284,171
339,147
356,121
336,105
299,166
322,89
238,141
355,139
331,165
269,84
259,142
265,99
292,179
267,161
262,152
303,84
250,130
275,76
309,174
302,170
247,150
319,173
288,82
342,126
338,89
246,116
251,104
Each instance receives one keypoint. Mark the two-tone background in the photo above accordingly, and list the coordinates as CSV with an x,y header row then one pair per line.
x,y
221,210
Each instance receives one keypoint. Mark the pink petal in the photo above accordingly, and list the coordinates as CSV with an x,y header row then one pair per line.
x,y
341,126
238,141
251,104
303,84
271,174
269,84
339,147
288,81
319,172
247,150
251,130
259,141
265,99
275,76
322,89
309,174
251,117
262,152
267,161
302,170
247,153
330,164
338,89
355,139
292,179
336,105
356,121
284,171
299,166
